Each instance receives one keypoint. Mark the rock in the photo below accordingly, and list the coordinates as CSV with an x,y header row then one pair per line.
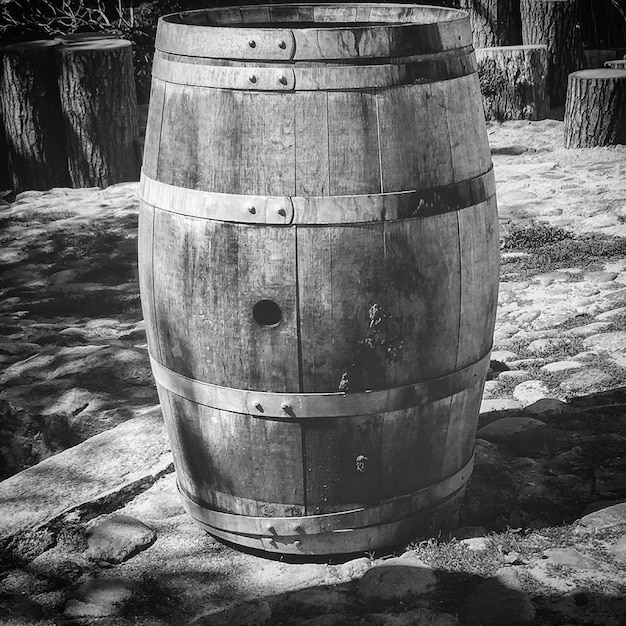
x,y
561,366
546,406
514,376
490,388
330,619
499,404
609,480
607,517
118,538
132,453
159,502
486,453
504,356
530,391
613,313
507,429
98,598
571,558
618,550
17,608
476,544
600,276
493,603
252,613
585,356
614,343
587,381
353,569
396,579
589,329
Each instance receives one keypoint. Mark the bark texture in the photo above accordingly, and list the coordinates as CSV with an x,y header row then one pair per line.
x,y
513,82
494,22
553,23
595,111
99,105
31,116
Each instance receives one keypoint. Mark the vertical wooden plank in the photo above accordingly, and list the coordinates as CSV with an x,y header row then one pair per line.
x,y
461,433
415,147
353,136
153,128
146,275
225,454
423,297
471,155
208,276
413,450
480,260
340,278
228,141
335,479
312,168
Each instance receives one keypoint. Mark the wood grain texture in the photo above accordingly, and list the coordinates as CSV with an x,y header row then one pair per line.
x,y
513,82
413,448
153,129
494,22
553,23
480,260
99,105
234,455
471,155
228,141
340,278
414,152
208,277
146,250
422,286
353,138
595,108
312,144
31,121
343,460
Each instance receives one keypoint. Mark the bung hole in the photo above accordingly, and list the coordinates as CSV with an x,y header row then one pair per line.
x,y
266,313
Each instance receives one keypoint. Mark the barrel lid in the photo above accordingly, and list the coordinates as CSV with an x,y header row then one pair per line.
x,y
313,32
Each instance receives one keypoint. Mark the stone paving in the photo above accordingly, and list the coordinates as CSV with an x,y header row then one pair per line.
x,y
95,533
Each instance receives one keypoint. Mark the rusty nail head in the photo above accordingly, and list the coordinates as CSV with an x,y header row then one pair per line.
x,y
258,406
282,212
252,43
285,406
282,80
298,544
282,45
252,210
253,78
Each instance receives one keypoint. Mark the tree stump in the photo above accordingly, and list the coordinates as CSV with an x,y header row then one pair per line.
x,y
99,104
616,64
494,22
30,111
513,82
595,110
552,23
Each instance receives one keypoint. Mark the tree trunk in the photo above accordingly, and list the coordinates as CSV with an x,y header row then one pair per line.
x,y
31,116
553,23
513,82
99,103
595,111
494,22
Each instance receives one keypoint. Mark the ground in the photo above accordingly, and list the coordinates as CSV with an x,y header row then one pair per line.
x,y
79,406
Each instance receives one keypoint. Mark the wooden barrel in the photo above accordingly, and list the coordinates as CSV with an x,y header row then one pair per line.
x,y
319,268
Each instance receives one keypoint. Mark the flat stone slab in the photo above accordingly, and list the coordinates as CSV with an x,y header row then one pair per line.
x,y
118,538
109,462
396,579
607,517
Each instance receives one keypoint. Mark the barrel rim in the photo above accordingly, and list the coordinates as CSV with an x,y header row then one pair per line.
x,y
362,32
455,14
